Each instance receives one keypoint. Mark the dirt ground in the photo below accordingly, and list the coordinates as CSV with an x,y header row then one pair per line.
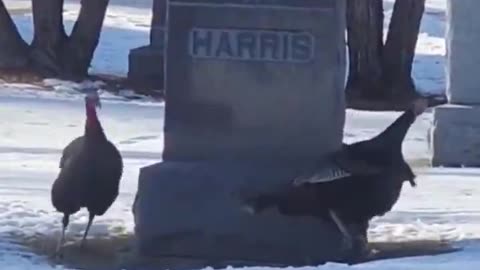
x,y
119,253
112,84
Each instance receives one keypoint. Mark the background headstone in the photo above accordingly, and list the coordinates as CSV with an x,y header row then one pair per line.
x,y
455,139
146,63
159,19
254,92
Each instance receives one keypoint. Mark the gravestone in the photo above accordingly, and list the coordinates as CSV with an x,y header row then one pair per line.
x,y
254,93
146,63
255,81
455,139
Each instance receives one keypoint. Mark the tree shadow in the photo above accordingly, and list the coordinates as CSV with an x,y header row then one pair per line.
x,y
429,73
433,21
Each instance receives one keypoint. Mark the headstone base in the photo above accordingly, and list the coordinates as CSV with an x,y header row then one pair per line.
x,y
454,137
193,209
145,67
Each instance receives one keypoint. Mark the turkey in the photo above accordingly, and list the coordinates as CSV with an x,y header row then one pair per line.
x,y
90,172
362,180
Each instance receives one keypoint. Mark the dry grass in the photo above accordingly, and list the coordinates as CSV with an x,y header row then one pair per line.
x,y
420,163
99,253
390,250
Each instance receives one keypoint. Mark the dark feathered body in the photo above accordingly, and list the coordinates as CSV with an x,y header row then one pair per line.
x,y
89,177
356,199
377,172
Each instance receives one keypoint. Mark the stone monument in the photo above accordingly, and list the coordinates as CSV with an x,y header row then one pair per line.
x,y
146,63
254,92
455,135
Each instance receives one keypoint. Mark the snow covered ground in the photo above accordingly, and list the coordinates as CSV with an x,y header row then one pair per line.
x,y
35,125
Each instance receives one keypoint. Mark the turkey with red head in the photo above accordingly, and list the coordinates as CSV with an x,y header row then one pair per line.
x,y
90,171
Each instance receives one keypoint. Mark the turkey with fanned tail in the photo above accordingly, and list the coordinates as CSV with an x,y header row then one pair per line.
x,y
360,181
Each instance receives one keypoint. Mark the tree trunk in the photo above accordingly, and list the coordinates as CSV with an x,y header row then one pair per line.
x,y
13,49
399,49
365,41
52,52
380,75
49,36
85,35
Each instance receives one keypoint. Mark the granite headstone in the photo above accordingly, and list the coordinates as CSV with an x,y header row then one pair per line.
x,y
146,63
254,79
255,91
455,139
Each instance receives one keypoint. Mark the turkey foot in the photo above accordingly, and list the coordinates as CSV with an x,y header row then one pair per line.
x,y
84,239
61,240
360,249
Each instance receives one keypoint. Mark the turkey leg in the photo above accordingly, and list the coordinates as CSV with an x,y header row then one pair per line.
x,y
90,221
61,240
347,237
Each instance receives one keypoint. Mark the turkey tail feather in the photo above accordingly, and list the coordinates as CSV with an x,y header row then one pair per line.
x,y
321,176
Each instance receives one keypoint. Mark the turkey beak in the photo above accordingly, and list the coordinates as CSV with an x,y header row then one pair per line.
x,y
412,182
